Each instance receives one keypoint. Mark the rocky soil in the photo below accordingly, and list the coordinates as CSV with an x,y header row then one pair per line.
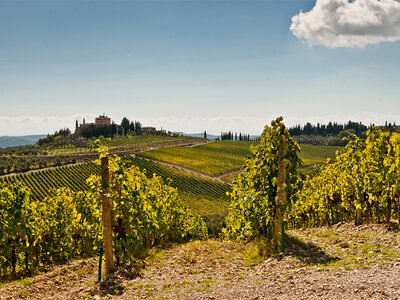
x,y
338,262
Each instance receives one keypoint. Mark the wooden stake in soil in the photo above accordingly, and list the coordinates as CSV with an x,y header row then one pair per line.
x,y
281,201
107,216
358,211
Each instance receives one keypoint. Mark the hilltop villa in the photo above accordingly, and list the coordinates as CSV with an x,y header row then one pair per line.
x,y
99,121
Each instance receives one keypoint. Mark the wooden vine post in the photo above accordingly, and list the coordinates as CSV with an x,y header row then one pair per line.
x,y
358,211
280,194
107,215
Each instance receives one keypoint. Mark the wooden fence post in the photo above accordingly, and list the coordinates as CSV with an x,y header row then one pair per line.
x,y
107,215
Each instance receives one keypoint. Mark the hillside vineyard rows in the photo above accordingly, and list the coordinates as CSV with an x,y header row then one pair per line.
x,y
42,182
53,215
204,195
55,229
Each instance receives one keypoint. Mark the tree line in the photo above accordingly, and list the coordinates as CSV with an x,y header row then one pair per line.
x,y
335,128
109,131
236,137
64,135
329,129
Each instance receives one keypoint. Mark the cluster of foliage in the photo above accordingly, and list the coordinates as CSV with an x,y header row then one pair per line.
x,y
147,212
63,132
28,150
92,130
131,126
256,208
324,140
235,137
203,195
330,129
109,131
59,137
362,183
19,164
34,233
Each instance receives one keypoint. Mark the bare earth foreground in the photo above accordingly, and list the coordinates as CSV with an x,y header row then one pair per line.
x,y
339,262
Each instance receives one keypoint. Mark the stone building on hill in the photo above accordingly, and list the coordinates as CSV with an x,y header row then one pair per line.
x,y
153,130
102,120
98,121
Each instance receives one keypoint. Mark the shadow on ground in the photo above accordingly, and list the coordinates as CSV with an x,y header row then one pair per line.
x,y
308,253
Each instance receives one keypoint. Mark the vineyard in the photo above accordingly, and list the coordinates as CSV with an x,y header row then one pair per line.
x,y
213,158
219,157
203,195
124,143
45,229
50,216
361,184
22,159
138,143
42,182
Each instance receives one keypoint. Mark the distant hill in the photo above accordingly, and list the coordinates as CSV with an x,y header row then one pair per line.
x,y
211,136
199,135
15,141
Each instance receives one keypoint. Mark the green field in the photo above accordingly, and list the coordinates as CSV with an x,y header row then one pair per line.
x,y
219,157
311,154
213,158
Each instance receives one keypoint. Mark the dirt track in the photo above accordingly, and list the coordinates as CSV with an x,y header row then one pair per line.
x,y
315,268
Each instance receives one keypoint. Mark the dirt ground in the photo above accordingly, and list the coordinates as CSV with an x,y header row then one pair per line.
x,y
339,262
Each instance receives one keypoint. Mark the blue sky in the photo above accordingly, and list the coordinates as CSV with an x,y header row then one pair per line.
x,y
192,65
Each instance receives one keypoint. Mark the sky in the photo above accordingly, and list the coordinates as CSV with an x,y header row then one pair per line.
x,y
194,65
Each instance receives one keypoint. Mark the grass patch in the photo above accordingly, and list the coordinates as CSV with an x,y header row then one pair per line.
x,y
251,255
344,249
155,255
23,282
255,251
313,154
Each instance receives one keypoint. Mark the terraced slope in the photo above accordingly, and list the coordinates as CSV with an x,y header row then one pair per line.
x,y
42,182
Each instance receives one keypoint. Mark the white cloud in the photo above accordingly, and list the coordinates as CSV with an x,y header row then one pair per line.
x,y
340,23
